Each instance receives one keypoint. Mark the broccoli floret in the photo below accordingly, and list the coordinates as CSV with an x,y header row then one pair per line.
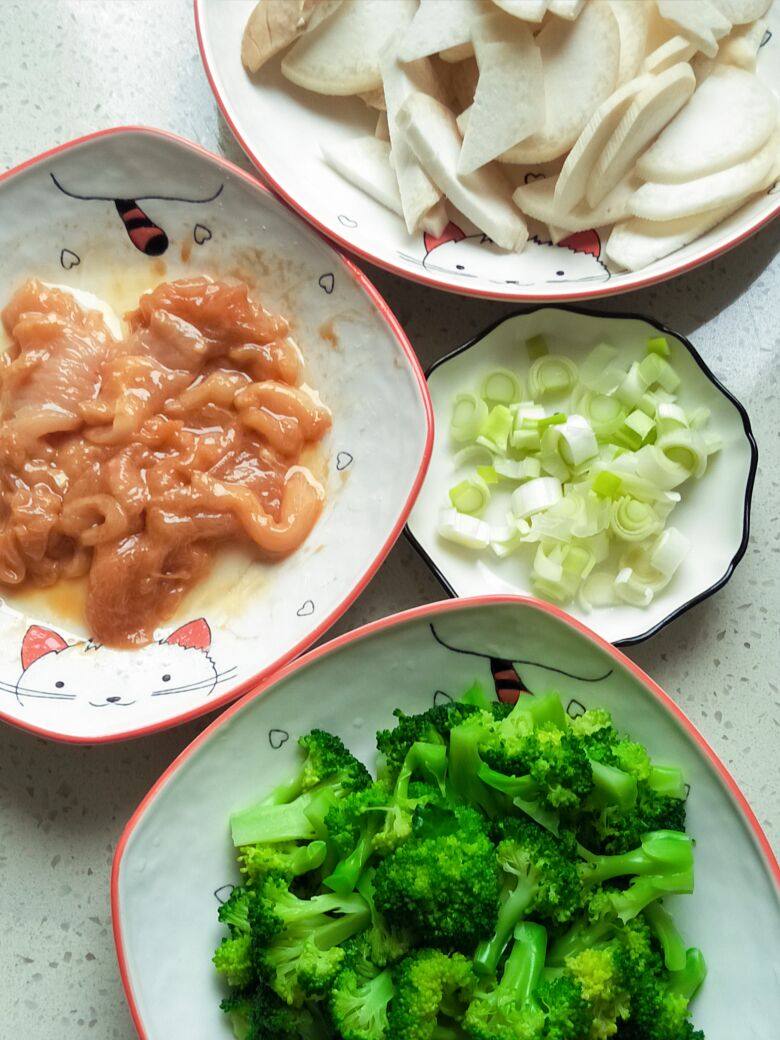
x,y
597,923
384,945
507,1010
359,1000
429,727
567,1014
442,884
287,860
541,878
234,912
238,1008
662,926
660,1002
330,772
432,991
598,973
233,959
351,824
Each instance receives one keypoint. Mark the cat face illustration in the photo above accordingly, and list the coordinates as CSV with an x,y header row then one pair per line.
x,y
98,678
574,259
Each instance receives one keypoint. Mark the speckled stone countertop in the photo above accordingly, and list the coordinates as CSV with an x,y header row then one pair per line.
x,y
72,66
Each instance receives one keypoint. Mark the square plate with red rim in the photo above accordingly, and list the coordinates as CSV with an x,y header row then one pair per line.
x,y
174,862
68,220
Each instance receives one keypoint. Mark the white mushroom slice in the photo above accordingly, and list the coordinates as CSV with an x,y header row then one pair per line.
x,y
570,187
569,9
382,130
341,56
645,117
436,219
730,116
633,21
482,196
699,20
670,201
528,10
675,50
740,12
452,55
418,192
274,24
580,62
439,25
635,243
537,199
742,44
509,99
365,162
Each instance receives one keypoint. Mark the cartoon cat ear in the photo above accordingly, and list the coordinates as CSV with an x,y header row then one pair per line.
x,y
451,233
583,242
39,641
195,635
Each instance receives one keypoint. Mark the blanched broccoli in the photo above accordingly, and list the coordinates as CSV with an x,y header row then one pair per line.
x,y
508,1010
442,884
418,906
432,992
540,879
295,811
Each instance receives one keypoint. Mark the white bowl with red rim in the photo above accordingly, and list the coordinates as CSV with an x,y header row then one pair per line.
x,y
283,128
202,215
350,686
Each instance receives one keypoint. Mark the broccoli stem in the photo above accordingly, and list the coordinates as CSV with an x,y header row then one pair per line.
x,y
273,823
346,874
581,936
642,891
687,981
476,695
464,766
542,709
525,962
430,760
661,852
342,928
668,781
612,786
665,930
513,907
524,794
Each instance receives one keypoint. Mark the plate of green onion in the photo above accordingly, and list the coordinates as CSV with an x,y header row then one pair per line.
x,y
590,460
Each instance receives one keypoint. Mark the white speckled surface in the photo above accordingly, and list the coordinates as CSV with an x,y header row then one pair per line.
x,y
72,66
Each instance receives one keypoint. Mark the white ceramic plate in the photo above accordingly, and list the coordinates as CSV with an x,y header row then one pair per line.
x,y
61,224
282,129
714,512
165,958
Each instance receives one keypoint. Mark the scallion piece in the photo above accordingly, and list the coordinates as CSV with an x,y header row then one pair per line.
x,y
535,496
552,374
488,474
473,455
658,345
536,347
517,469
470,496
599,371
501,387
464,530
640,424
607,484
577,441
632,520
633,387
469,413
494,433
655,369
686,448
605,414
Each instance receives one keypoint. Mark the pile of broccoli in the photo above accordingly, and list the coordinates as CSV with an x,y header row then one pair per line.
x,y
503,878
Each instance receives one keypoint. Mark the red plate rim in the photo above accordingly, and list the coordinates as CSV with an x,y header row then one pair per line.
x,y
436,283
392,621
363,283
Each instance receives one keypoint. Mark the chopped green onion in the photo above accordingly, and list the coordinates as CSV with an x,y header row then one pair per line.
x,y
501,387
599,372
686,448
526,439
535,496
488,474
640,424
469,413
550,457
473,455
550,420
577,441
655,369
464,530
699,417
670,417
658,345
631,589
632,520
505,540
518,470
605,414
633,387
551,374
653,465
607,484
470,496
536,347
669,551
494,433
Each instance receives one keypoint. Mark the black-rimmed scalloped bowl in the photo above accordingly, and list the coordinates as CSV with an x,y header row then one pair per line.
x,y
714,513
